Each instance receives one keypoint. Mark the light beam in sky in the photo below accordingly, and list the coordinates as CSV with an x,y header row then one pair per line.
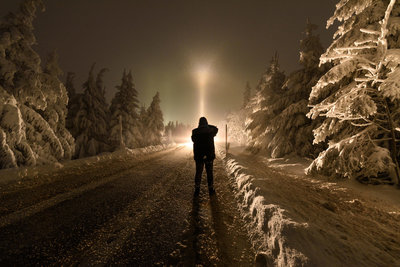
x,y
203,74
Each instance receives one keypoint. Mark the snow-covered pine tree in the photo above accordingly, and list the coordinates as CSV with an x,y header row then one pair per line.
x,y
143,127
101,96
73,103
69,85
246,95
57,100
236,120
26,137
91,120
154,123
168,131
360,94
291,129
265,105
124,125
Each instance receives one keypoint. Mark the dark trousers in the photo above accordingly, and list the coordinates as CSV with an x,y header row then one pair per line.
x,y
199,171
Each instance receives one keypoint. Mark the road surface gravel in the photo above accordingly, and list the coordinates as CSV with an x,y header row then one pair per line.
x,y
126,210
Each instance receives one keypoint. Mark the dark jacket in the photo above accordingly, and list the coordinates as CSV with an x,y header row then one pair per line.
x,y
203,142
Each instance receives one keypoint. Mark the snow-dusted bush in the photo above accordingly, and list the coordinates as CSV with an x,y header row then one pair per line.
x,y
359,96
124,124
236,120
32,102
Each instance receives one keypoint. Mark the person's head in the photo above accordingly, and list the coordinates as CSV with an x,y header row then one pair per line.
x,y
203,121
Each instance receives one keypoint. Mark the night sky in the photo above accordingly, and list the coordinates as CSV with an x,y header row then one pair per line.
x,y
164,43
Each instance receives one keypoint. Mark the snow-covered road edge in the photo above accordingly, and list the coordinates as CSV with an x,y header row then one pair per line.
x,y
268,226
16,174
135,152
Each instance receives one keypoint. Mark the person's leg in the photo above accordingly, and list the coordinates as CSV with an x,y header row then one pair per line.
x,y
197,179
210,176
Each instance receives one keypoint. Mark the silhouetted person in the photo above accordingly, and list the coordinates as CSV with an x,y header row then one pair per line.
x,y
204,153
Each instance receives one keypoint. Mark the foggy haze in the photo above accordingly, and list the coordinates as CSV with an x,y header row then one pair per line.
x,y
165,42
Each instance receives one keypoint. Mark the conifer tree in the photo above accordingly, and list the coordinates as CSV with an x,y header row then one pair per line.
x,y
154,123
73,103
125,128
359,96
246,95
69,85
291,129
31,132
265,105
236,120
57,100
169,131
91,120
142,123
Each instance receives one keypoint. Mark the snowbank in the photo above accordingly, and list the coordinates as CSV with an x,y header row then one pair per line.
x,y
136,151
268,223
299,220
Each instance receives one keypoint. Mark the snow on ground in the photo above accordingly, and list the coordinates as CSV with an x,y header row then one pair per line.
x,y
292,164
15,174
294,219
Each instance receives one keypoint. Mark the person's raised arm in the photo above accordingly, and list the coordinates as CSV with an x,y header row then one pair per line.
x,y
214,130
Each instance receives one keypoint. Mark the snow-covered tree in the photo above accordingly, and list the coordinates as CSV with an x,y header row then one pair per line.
x,y
57,100
359,96
142,123
291,129
73,103
20,64
125,124
154,122
236,120
265,105
246,95
91,121
69,85
31,128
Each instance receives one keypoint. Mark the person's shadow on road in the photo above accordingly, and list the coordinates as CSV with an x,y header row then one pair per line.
x,y
196,227
218,227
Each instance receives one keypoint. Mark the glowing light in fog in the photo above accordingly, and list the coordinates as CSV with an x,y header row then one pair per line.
x,y
203,75
188,145
188,142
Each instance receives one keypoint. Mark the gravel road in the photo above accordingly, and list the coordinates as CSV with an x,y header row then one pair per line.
x,y
133,210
